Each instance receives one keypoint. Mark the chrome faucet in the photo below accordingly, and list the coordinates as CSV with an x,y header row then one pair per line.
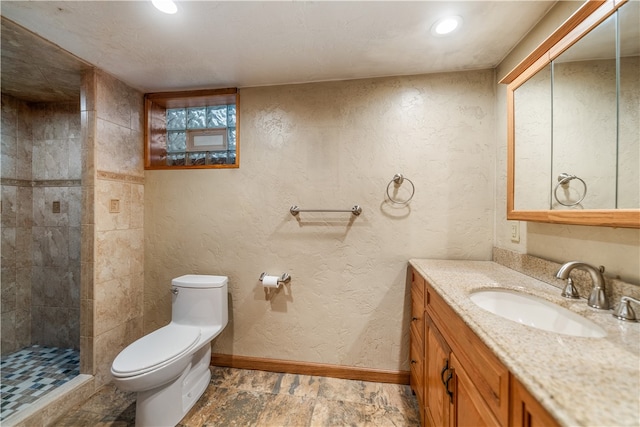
x,y
597,298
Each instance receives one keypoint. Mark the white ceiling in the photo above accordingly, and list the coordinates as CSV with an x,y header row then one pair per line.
x,y
210,44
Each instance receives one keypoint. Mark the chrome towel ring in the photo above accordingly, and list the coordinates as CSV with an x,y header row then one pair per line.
x,y
397,180
563,180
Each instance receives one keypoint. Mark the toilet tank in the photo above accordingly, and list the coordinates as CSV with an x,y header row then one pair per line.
x,y
200,300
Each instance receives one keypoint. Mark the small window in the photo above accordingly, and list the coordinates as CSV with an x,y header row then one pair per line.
x,y
196,129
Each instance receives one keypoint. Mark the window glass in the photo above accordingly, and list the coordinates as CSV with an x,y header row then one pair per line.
x,y
192,129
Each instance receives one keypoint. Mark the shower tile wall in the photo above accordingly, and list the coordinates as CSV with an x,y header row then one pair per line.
x,y
17,220
40,248
113,242
55,279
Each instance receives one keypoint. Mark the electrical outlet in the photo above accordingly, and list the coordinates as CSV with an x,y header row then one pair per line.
x,y
515,231
114,206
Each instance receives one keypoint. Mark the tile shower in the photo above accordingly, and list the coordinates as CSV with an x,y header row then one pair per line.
x,y
41,213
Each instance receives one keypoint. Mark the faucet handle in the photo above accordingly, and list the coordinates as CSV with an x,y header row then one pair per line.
x,y
624,310
569,290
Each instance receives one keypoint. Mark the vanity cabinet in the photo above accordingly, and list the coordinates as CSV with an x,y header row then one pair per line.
x,y
416,339
526,411
464,383
480,371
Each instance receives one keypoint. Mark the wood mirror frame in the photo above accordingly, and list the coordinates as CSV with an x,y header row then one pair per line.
x,y
587,17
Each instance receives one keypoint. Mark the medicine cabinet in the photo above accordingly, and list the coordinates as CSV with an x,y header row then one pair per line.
x,y
573,122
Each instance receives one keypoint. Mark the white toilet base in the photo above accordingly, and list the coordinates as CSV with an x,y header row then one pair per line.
x,y
168,404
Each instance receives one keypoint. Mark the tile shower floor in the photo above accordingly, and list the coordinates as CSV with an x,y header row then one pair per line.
x,y
32,372
239,397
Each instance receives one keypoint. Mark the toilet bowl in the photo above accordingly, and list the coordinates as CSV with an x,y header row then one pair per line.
x,y
169,368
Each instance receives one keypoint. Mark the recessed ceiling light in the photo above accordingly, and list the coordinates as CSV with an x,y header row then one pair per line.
x,y
446,25
166,6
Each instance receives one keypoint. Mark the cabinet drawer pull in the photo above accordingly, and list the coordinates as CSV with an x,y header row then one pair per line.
x,y
413,361
446,385
445,369
414,318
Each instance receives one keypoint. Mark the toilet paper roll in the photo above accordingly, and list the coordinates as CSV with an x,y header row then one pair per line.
x,y
270,281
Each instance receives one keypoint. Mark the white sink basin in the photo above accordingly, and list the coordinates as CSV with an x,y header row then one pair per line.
x,y
536,312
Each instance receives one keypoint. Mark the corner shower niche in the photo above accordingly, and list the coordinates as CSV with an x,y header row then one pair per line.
x,y
41,207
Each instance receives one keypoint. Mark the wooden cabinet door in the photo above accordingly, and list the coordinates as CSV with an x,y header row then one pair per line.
x,y
463,383
526,411
438,403
470,409
482,366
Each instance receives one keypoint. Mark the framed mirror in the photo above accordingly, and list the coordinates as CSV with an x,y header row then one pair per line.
x,y
573,120
628,107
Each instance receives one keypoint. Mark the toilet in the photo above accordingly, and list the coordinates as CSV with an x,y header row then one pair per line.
x,y
169,368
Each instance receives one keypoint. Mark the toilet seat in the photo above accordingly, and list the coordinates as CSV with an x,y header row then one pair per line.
x,y
156,349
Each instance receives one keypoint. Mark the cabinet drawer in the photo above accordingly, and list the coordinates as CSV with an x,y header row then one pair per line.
x,y
417,303
416,352
417,318
488,374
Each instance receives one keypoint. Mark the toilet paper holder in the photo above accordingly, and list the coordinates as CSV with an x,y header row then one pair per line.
x,y
285,278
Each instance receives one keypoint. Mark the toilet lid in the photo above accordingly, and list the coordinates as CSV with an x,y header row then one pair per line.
x,y
157,348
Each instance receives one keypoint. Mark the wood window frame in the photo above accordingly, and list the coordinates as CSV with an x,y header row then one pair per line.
x,y
155,126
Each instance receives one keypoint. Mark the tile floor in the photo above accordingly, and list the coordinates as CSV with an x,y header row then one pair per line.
x,y
239,397
32,372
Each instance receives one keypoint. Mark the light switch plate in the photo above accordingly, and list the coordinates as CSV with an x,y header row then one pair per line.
x,y
515,231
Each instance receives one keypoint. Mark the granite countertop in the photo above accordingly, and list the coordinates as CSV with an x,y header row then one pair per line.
x,y
580,381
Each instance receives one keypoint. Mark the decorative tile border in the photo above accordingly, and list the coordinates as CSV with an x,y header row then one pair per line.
x,y
114,176
58,183
41,182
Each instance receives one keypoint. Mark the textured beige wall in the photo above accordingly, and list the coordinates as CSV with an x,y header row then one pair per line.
x,y
617,249
329,145
560,12
112,242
